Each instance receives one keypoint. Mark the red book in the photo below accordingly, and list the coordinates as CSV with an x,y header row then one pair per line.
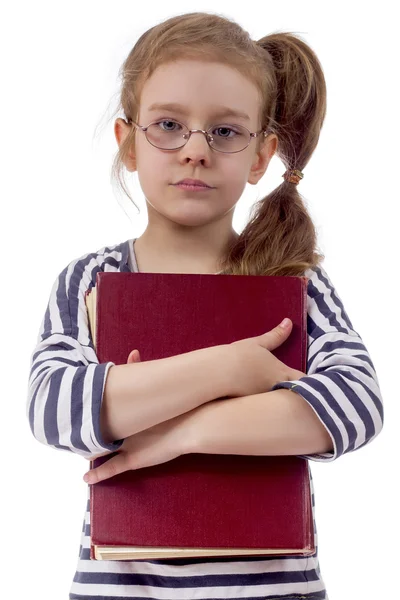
x,y
199,504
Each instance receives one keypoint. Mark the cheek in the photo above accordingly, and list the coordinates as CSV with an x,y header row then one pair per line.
x,y
235,176
156,168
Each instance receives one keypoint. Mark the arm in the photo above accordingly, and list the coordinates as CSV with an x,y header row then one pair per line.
x,y
272,423
138,396
76,404
66,381
339,393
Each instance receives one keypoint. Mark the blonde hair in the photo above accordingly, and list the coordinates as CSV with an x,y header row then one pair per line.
x,y
280,237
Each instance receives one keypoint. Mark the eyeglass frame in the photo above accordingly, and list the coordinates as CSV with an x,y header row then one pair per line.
x,y
144,129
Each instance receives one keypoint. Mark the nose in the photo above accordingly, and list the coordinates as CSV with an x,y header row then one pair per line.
x,y
196,147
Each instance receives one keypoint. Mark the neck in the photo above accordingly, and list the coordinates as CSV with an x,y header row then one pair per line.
x,y
181,254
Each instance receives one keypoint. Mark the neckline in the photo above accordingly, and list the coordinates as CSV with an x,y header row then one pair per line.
x,y
135,263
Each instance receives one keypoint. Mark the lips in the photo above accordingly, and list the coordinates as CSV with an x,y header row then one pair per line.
x,y
195,182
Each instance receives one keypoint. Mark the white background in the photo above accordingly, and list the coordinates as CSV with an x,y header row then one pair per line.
x,y
59,75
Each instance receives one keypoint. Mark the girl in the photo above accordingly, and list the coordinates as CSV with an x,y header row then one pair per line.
x,y
196,91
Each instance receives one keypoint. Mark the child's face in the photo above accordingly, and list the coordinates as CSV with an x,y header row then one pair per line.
x,y
200,87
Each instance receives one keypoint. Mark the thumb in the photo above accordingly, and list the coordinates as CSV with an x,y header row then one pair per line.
x,y
274,338
134,357
115,465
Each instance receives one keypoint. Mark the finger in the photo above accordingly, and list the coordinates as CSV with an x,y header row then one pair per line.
x,y
114,466
133,357
274,338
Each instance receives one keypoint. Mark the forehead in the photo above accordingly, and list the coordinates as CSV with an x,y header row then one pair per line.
x,y
200,88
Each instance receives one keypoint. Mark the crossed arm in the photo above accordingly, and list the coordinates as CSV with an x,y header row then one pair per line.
x,y
278,422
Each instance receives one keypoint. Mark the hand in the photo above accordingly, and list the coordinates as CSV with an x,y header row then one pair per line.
x,y
256,370
153,446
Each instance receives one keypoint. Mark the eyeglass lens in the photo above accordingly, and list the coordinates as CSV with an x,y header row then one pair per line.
x,y
170,135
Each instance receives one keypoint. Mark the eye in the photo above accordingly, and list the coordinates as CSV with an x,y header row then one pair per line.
x,y
225,128
167,121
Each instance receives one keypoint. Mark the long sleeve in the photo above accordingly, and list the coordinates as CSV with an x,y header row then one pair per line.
x,y
66,382
341,384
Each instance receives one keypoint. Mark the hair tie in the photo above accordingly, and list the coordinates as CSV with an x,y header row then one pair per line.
x,y
293,176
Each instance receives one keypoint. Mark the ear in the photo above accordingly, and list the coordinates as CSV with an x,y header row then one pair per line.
x,y
262,157
121,130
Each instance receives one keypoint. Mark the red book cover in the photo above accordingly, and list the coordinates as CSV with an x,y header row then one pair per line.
x,y
200,504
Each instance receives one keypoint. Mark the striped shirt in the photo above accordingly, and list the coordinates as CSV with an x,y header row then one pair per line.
x,y
65,391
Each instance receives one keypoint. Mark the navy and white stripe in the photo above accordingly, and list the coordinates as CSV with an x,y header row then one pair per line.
x,y
341,383
66,380
65,393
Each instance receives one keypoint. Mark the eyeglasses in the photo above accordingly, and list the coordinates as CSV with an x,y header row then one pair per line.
x,y
172,139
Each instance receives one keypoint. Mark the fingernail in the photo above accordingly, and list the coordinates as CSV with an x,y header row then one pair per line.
x,y
285,323
87,477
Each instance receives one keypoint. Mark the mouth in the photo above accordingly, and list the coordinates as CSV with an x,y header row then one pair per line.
x,y
193,182
192,187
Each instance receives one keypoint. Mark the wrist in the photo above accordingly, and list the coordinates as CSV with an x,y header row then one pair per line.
x,y
295,375
191,428
223,365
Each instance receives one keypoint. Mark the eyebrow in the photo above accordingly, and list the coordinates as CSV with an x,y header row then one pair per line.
x,y
219,111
